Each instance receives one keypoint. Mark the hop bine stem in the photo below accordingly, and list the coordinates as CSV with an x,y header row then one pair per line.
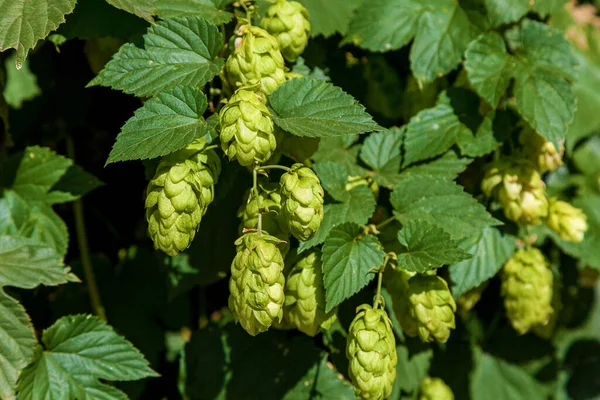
x,y
258,202
282,167
378,300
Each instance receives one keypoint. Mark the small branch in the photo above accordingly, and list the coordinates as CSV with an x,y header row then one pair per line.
x,y
264,167
378,300
385,222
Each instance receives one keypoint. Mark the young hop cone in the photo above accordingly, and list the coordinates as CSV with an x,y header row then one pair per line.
x,y
540,151
179,194
247,131
302,205
527,289
288,22
305,296
256,284
396,282
518,188
568,221
371,352
256,58
432,306
435,389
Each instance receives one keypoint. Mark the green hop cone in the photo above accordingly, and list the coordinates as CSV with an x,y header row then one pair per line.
x,y
305,296
432,306
435,389
527,289
547,330
288,22
256,284
540,151
256,58
371,352
302,205
568,221
247,131
518,188
179,194
396,282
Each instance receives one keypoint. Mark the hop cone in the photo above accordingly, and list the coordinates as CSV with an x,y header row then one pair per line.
x,y
435,389
541,152
247,131
305,296
547,331
256,284
371,352
432,306
396,282
470,298
302,205
256,58
519,189
568,221
527,289
288,22
179,194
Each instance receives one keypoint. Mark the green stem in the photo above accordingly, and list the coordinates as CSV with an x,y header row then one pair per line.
x,y
378,299
264,167
258,202
86,261
385,222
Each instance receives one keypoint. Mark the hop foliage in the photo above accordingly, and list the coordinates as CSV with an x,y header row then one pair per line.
x,y
371,352
256,284
435,389
302,205
527,287
179,194
288,21
568,221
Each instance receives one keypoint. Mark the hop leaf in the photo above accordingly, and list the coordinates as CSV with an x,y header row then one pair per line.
x,y
527,289
305,296
540,151
256,284
247,131
371,352
302,205
256,58
288,22
432,306
568,221
179,195
435,389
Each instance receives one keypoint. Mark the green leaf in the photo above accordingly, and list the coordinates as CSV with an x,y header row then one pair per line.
x,y
323,382
545,7
412,367
315,108
427,247
334,178
340,149
21,84
430,133
17,340
331,16
448,166
502,12
489,66
490,253
141,8
205,9
496,379
177,52
164,124
24,22
441,203
381,151
483,142
441,30
25,263
72,185
79,350
347,261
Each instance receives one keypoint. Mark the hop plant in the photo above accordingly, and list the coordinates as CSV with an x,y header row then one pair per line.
x,y
432,307
527,289
302,205
256,284
371,352
354,181
396,281
179,194
305,296
568,221
540,151
288,21
435,389
298,148
256,58
518,188
247,131
470,298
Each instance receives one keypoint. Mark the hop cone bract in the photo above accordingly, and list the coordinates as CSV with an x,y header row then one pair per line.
x,y
256,58
305,296
247,131
527,289
288,21
540,151
432,306
302,205
396,282
568,221
256,284
435,389
371,352
179,194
